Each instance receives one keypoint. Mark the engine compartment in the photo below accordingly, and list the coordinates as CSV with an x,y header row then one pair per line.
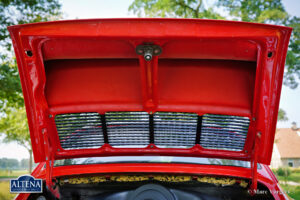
x,y
154,187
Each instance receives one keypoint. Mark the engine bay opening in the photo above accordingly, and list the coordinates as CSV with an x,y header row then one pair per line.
x,y
156,187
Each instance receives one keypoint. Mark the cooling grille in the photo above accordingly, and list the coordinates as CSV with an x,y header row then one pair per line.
x,y
127,129
79,130
175,130
224,132
164,129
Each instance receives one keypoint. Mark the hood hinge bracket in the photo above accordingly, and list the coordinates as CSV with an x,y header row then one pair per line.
x,y
49,164
253,186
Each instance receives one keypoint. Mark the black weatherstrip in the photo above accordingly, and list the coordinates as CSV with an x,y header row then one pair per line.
x,y
104,128
199,127
151,129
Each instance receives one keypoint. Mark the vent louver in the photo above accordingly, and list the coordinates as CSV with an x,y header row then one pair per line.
x,y
175,130
79,130
224,132
127,129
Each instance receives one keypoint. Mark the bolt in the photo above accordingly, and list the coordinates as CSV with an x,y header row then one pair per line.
x,y
148,57
148,54
151,146
50,116
253,119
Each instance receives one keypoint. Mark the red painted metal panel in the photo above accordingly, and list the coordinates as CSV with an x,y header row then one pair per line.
x,y
85,82
207,66
264,175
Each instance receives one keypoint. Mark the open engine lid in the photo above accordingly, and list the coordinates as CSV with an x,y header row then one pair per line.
x,y
181,87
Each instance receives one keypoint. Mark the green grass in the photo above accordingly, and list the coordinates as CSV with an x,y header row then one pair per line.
x,y
4,191
12,174
4,185
295,177
292,191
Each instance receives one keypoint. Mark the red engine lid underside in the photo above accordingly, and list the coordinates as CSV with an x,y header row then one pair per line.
x,y
206,67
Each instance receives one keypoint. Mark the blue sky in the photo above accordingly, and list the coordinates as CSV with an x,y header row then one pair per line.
x,y
83,9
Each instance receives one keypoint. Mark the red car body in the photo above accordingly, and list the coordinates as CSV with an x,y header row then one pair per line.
x,y
204,67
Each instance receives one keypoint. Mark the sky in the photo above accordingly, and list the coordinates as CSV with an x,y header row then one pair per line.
x,y
84,9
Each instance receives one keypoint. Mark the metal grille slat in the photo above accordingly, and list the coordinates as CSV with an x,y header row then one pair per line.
x,y
224,132
175,130
79,130
128,129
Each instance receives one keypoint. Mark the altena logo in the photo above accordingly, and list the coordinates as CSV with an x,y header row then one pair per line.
x,y
26,184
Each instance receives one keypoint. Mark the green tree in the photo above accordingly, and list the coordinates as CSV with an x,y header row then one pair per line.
x,y
13,121
24,163
262,11
173,8
14,126
10,87
282,115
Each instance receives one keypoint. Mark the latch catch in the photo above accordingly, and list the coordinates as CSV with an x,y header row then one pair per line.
x,y
148,51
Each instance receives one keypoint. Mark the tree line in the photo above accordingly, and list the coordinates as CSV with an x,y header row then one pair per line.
x,y
12,163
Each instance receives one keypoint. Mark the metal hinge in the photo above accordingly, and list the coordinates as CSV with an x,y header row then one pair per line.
x,y
253,186
49,164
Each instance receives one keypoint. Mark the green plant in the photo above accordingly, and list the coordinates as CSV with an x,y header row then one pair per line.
x,y
283,171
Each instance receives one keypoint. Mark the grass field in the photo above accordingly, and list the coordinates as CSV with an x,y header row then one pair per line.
x,y
295,177
12,174
4,191
4,185
292,191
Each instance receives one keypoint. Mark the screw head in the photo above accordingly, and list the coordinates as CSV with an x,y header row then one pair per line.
x,y
50,116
